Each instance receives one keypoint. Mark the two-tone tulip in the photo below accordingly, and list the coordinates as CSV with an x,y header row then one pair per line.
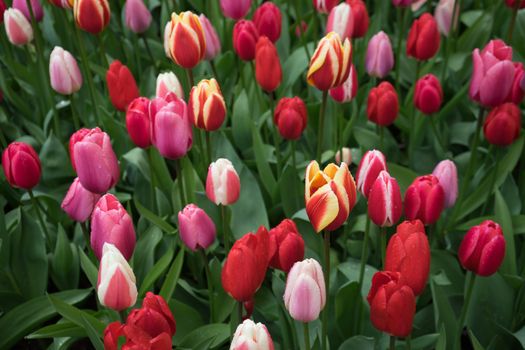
x,y
443,15
137,15
235,9
268,72
207,108
370,166
21,165
186,39
92,16
347,156
79,202
423,38
382,104
286,245
18,29
503,125
168,83
428,94
424,199
360,18
65,4
324,6
347,91
64,72
245,37
122,87
340,21
384,201
196,228
213,44
447,174
291,117
267,19
379,56
251,336
223,185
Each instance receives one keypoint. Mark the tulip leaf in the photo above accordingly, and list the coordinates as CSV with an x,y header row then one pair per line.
x,y
475,343
168,287
65,262
157,270
444,314
263,166
242,121
153,218
88,267
347,301
212,334
358,342
59,330
504,219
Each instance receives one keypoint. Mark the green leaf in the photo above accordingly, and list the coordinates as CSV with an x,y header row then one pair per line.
x,y
59,330
65,262
263,166
475,342
504,219
157,270
242,121
216,334
358,342
153,218
88,267
173,276
403,175
444,314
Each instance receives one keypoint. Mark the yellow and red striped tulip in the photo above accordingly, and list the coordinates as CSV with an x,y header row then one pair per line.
x,y
206,105
330,195
92,16
186,43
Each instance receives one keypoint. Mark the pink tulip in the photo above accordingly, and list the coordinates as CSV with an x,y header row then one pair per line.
x,y
79,202
138,17
348,90
347,156
213,44
196,228
64,72
384,201
447,175
379,56
17,27
443,15
424,199
340,21
168,83
372,163
222,184
21,5
403,2
235,9
324,6
251,336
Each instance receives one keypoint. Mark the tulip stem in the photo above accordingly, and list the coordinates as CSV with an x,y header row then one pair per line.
x,y
225,238
275,136
471,279
299,19
239,311
306,336
364,253
152,179
76,121
34,201
327,286
209,281
401,13
513,20
381,138
122,315
148,50
408,342
85,232
180,180
208,147
321,127
104,58
189,76
493,178
436,133
214,70
383,245
294,162
392,343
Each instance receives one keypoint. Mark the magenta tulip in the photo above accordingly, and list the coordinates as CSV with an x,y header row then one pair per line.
x,y
79,202
196,228
235,9
21,5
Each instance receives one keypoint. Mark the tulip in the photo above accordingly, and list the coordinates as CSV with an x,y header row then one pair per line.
x,y
428,94
196,228
286,245
207,108
235,9
516,93
213,44
291,117
138,123
492,74
268,71
222,183
79,202
483,248
347,156
245,37
166,39
186,39
121,85
111,334
392,304
94,160
138,17
382,104
168,83
370,166
423,38
251,336
3,7
92,16
384,201
512,4
21,165
324,6
340,21
359,17
330,63
305,293
64,72
447,175
503,125
17,27
21,5
171,130
330,195
424,199
116,287
267,19
379,56
65,4
246,264
111,223
403,3
348,90
443,15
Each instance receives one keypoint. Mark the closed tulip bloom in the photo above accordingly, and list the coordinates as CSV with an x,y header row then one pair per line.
x,y
196,228
213,43
370,166
94,160
516,93
392,304
246,264
512,3
330,63
268,71
347,156
447,175
245,37
403,3
423,38
79,202
251,336
207,108
379,56
443,15
223,185
267,19
424,199
428,94
384,201
21,5
330,195
340,21
235,9
92,16
286,245
17,27
168,83
348,90
116,286
186,39
64,72
483,248
21,165
122,86
324,6
408,253
3,7
138,122
138,17
65,4
382,104
305,293
291,117
503,125
360,18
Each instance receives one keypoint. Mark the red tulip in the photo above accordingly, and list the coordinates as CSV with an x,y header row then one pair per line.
x,y
121,85
3,7
423,38
347,91
428,95
503,125
92,15
267,65
384,201
360,18
21,165
267,19
382,105
424,199
245,36
370,166
291,117
512,3
324,6
138,123
286,245
516,93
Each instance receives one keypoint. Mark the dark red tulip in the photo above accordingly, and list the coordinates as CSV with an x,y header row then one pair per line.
x,y
503,125
21,165
286,245
138,122
245,36
291,117
512,3
267,65
267,19
428,95
121,85
424,199
383,105
423,38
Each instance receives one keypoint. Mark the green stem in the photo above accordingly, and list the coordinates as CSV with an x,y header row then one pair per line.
x,y
122,315
306,336
225,223
239,311
381,138
383,245
214,69
102,49
180,181
76,121
401,13
408,342
3,141
148,50
364,251
492,186
152,179
327,286
436,133
209,281
85,232
513,20
275,137
189,76
392,343
34,201
208,146
321,127
471,279
299,18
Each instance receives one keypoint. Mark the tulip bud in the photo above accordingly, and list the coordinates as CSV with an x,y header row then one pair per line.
x,y
424,199
340,21
245,36
516,93
359,17
111,334
348,90
17,27
207,109
111,223
267,65
392,304
246,264
251,336
168,83
423,38
138,123
286,245
483,248
330,195
370,166
428,94
330,63
382,105
403,3
222,184
379,56
512,3
64,72
138,17
186,40
443,15
65,4
347,156
121,85
324,6
384,201
503,125
291,117
213,44
447,175
116,287
3,7
92,16
196,228
21,165
94,160
79,202
21,5
235,9
408,253
305,294
267,19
